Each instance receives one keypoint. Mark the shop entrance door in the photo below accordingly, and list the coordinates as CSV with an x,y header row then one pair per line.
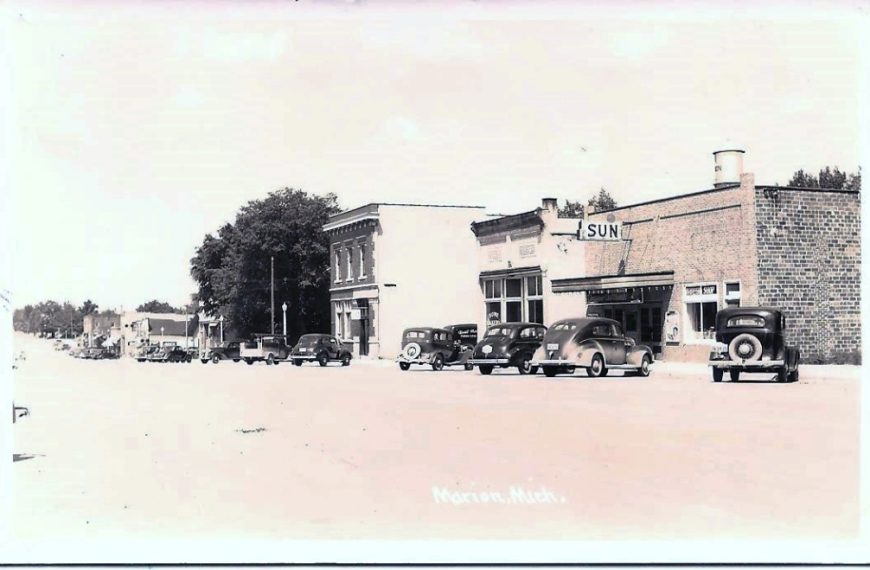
x,y
631,324
363,305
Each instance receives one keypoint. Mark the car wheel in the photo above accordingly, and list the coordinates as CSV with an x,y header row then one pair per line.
x,y
525,365
404,365
249,361
485,369
469,366
550,371
345,360
438,363
717,374
645,364
794,376
322,359
270,359
236,359
782,374
297,362
735,374
215,359
596,368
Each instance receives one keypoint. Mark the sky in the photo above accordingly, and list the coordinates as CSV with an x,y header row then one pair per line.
x,y
133,129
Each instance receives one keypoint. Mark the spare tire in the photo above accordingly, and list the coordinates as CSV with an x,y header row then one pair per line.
x,y
745,347
411,351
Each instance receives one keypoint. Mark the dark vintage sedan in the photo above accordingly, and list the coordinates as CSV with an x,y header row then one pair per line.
x,y
596,344
751,339
170,353
320,348
225,351
508,345
438,347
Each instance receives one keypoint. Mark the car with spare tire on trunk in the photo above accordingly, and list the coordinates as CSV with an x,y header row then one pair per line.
x,y
438,347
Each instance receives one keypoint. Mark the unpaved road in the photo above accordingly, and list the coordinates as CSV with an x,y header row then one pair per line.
x,y
119,448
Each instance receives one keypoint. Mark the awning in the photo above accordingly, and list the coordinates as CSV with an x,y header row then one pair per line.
x,y
574,284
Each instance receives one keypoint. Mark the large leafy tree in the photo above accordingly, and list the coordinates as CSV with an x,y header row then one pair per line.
x,y
828,178
232,267
53,317
600,201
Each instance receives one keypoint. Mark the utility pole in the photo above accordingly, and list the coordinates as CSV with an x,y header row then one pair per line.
x,y
272,312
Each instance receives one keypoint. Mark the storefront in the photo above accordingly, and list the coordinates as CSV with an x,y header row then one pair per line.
x,y
513,296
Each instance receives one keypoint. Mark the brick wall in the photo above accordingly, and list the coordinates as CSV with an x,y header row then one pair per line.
x,y
350,239
809,264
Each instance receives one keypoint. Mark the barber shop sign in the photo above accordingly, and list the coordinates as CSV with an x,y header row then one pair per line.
x,y
599,230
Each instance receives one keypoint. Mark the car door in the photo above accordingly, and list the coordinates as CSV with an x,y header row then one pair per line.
x,y
619,348
602,333
333,348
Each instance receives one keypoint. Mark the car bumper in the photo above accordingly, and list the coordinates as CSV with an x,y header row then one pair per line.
x,y
554,362
302,357
485,361
760,364
418,360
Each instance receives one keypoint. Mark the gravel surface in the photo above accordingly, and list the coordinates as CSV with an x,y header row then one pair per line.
x,y
120,448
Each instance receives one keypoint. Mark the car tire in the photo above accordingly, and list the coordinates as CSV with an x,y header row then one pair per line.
x,y
794,376
485,369
322,359
270,359
469,366
782,374
249,361
236,359
718,373
735,374
550,371
405,366
645,364
297,362
215,359
596,368
438,363
525,365
345,360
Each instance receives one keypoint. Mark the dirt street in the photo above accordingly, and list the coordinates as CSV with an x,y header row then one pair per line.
x,y
120,448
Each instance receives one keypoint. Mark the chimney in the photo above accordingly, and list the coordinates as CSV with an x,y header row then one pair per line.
x,y
728,167
550,204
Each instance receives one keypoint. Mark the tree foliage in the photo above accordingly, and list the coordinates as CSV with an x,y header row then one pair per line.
x,y
600,201
64,319
155,306
827,178
232,267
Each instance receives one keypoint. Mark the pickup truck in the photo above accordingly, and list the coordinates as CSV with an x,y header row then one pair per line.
x,y
265,348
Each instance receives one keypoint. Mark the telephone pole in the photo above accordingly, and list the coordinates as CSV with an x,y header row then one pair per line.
x,y
272,311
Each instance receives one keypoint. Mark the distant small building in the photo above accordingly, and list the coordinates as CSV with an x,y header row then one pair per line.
x,y
152,328
98,328
400,265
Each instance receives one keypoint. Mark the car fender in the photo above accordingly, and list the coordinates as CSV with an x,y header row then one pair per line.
x,y
634,356
586,350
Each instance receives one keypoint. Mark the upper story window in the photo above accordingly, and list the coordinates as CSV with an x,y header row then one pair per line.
x,y
732,293
337,265
349,263
362,260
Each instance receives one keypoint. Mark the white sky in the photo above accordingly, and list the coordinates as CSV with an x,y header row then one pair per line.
x,y
133,129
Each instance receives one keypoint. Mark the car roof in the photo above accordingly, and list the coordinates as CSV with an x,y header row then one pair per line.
x,y
516,325
425,329
766,311
583,321
461,325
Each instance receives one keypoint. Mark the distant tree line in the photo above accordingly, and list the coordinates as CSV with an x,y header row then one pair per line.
x,y
64,319
232,266
828,177
600,201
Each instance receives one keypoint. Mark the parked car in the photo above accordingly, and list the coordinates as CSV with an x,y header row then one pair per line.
x,y
160,352
596,344
322,348
92,353
437,347
751,339
171,353
228,350
77,351
268,348
146,351
508,344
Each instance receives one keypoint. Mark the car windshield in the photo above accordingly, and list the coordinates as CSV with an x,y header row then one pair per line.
x,y
498,331
746,321
564,327
417,334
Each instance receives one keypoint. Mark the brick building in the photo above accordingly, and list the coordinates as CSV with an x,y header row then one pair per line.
x,y
400,265
683,258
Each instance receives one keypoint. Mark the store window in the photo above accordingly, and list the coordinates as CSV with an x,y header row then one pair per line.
x,y
732,293
514,299
702,303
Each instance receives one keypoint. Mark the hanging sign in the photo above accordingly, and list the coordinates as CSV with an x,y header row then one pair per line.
x,y
599,230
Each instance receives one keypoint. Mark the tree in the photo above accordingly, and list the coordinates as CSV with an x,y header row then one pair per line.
x,y
601,201
156,306
88,307
827,178
232,268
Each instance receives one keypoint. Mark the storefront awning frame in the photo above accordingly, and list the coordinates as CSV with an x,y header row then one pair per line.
x,y
578,284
